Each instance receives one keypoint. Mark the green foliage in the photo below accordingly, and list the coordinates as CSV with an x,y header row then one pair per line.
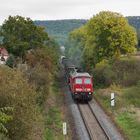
x,y
4,118
59,29
105,36
18,94
47,57
138,36
134,21
11,61
126,110
111,34
54,115
40,78
3,137
43,64
131,95
76,43
54,123
103,74
129,125
125,71
20,34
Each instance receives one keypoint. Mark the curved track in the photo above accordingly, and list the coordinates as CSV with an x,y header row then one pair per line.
x,y
94,128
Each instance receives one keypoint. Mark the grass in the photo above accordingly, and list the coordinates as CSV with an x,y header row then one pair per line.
x,y
125,111
54,115
53,129
132,95
129,125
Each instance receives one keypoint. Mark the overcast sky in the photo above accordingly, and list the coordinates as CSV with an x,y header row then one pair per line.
x,y
65,9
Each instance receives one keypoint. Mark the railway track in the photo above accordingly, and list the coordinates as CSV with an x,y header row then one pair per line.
x,y
94,128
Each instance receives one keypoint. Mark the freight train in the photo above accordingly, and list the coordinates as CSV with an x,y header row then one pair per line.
x,y
80,82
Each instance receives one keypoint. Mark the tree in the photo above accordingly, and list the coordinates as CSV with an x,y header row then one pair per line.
x,y
4,118
76,43
16,92
110,35
138,36
20,34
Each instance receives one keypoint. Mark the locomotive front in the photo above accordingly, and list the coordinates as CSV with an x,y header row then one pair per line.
x,y
81,86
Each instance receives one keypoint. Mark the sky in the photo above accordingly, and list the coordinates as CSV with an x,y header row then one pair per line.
x,y
65,9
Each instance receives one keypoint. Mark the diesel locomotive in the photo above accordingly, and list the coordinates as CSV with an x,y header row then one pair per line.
x,y
80,83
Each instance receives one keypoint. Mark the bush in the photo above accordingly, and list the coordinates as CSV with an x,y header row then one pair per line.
x,y
125,71
10,61
43,64
47,57
40,78
103,74
4,118
17,93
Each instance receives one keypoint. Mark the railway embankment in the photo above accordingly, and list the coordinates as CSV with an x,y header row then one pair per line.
x,y
126,86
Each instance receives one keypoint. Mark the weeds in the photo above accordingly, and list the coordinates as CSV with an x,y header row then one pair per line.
x,y
129,124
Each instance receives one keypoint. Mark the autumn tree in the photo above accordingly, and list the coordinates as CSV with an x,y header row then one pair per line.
x,y
20,34
17,95
110,35
105,36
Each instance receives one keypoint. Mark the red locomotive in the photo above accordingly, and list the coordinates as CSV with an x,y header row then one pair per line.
x,y
80,83
81,86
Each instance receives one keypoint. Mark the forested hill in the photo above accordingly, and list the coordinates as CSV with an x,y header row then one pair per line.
x,y
59,29
134,21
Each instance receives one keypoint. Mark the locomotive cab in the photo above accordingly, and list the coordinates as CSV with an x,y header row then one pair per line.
x,y
81,86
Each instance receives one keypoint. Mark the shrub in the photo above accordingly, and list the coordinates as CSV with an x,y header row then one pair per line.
x,y
10,61
4,118
40,78
47,57
103,74
125,71
17,93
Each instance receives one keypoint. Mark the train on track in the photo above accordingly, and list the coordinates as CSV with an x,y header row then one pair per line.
x,y
80,82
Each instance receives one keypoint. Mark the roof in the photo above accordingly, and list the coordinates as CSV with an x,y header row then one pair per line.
x,y
83,74
3,51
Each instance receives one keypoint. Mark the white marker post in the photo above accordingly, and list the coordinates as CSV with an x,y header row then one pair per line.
x,y
64,129
112,100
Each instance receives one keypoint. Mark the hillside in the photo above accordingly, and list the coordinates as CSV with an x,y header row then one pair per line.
x,y
59,29
134,21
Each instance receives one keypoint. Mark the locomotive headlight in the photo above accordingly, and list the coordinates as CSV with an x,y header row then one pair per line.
x,y
89,93
88,89
75,92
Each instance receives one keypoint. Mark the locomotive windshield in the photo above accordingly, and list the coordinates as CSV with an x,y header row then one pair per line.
x,y
78,81
87,81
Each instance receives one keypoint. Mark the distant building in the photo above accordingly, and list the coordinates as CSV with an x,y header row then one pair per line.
x,y
3,55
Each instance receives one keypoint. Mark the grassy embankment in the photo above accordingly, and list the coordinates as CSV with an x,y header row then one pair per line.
x,y
126,86
54,114
44,77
